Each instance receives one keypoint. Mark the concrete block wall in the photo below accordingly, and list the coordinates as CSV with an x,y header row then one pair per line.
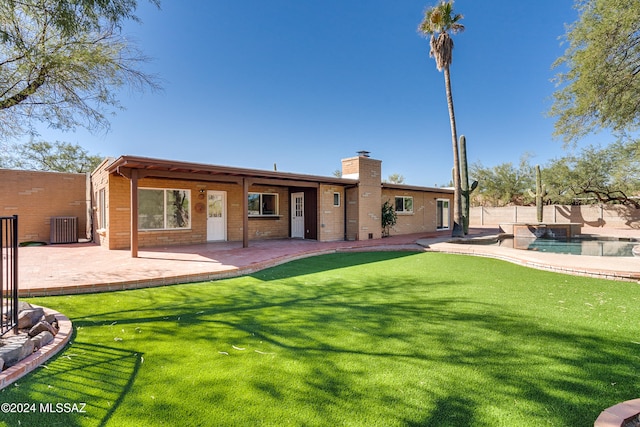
x,y
37,196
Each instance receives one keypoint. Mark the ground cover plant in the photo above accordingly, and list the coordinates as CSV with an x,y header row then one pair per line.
x,y
384,339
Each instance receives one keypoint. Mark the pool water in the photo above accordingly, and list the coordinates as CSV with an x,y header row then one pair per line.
x,y
592,247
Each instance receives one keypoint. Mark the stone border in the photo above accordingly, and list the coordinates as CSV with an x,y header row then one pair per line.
x,y
31,362
617,415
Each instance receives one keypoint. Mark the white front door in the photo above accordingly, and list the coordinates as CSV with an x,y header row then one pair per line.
x,y
297,215
216,216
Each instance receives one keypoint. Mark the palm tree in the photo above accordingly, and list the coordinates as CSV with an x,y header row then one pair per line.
x,y
438,22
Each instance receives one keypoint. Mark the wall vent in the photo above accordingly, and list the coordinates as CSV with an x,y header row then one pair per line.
x,y
64,229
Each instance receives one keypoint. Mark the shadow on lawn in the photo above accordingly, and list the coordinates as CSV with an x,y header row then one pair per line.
x,y
107,372
378,346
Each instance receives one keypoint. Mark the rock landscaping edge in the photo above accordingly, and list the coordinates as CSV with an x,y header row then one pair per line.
x,y
41,355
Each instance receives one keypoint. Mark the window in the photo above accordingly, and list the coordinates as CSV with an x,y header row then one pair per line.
x,y
336,199
102,209
163,209
404,204
442,214
263,204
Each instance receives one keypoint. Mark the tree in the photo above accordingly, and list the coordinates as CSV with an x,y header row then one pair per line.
x,y
55,157
395,178
438,22
80,15
503,184
602,79
592,175
60,62
603,175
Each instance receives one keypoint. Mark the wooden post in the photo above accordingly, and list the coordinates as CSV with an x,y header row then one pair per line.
x,y
245,213
134,213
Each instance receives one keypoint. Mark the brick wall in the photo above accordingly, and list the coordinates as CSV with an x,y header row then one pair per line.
x,y
359,206
116,233
331,218
100,182
424,215
270,227
368,171
37,196
351,199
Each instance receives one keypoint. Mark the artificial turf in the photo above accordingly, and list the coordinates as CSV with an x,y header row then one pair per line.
x,y
359,339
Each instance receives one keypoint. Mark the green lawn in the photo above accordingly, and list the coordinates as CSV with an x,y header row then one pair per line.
x,y
362,339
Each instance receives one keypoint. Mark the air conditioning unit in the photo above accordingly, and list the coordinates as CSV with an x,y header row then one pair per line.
x,y
64,229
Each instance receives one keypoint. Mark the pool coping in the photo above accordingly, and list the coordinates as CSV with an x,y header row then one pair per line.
x,y
611,268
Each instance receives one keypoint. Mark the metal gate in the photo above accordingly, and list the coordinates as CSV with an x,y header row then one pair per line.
x,y
9,274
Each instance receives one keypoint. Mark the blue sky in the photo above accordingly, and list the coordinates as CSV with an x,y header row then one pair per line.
x,y
305,83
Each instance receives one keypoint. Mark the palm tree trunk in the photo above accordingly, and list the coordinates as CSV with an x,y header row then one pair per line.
x,y
458,230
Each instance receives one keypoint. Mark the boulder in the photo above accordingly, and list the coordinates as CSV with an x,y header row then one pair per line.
x,y
51,318
42,326
22,305
42,339
29,317
15,348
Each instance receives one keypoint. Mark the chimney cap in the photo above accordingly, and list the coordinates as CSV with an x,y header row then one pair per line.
x,y
363,153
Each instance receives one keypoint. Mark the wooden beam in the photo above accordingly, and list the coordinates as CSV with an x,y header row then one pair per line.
x,y
192,176
285,182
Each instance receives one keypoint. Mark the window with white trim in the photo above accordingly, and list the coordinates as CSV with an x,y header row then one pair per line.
x,y
263,204
164,209
336,199
442,214
404,204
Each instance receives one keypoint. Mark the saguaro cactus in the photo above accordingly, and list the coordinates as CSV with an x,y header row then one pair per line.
x,y
464,184
541,192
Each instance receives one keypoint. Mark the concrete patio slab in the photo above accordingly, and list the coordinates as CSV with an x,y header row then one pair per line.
x,y
86,267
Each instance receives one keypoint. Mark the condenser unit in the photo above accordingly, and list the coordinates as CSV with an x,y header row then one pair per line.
x,y
64,229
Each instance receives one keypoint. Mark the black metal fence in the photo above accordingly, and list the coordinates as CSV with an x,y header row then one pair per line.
x,y
9,274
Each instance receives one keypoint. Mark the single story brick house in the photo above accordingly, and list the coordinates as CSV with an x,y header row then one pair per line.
x,y
145,202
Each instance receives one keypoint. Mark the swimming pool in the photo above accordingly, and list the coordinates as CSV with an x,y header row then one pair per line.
x,y
577,246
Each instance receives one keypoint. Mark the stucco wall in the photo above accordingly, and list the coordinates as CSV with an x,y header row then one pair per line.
x,y
615,216
37,196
